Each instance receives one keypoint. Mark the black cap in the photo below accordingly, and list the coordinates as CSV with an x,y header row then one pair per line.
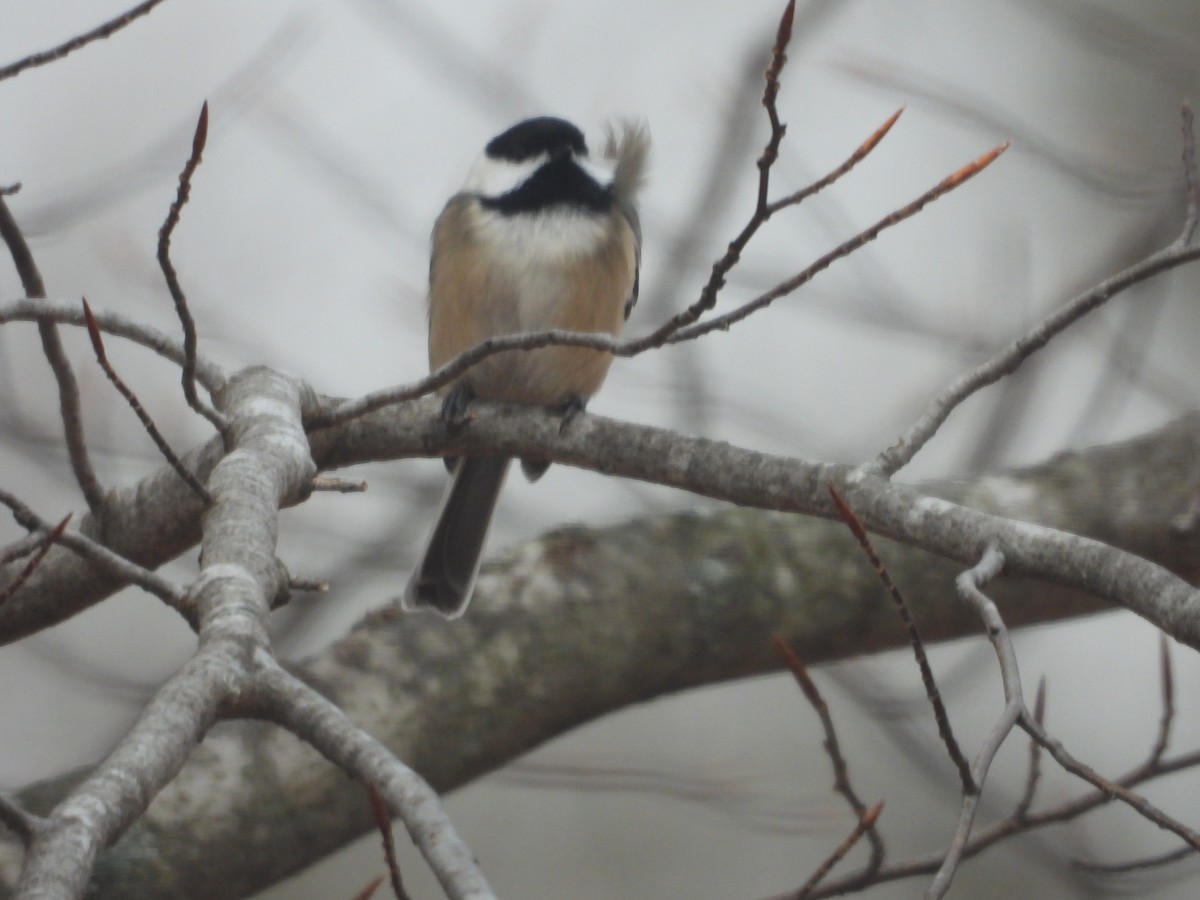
x,y
533,137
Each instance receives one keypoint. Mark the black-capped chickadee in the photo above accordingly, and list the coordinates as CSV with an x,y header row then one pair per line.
x,y
540,237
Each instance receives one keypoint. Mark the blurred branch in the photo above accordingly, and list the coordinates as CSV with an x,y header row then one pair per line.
x,y
68,388
1006,360
841,775
56,53
1117,184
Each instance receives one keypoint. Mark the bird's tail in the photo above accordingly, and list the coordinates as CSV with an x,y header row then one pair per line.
x,y
445,575
627,146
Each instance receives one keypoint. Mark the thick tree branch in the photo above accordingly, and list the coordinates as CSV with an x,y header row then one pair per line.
x,y
709,468
778,575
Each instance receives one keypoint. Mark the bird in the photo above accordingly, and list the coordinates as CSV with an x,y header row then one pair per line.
x,y
540,237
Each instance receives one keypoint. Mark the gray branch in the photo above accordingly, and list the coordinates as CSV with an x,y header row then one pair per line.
x,y
737,573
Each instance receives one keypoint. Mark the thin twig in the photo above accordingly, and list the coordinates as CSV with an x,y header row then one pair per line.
x,y
969,583
68,388
841,772
383,822
30,310
299,708
1112,789
176,289
1009,358
56,53
943,187
111,563
722,267
865,825
1168,701
914,636
851,161
140,411
993,834
1021,810
47,541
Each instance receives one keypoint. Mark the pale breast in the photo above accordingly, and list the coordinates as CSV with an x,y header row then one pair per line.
x,y
526,273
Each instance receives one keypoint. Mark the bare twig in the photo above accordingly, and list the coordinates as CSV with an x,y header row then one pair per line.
x,y
943,187
110,27
722,267
865,825
1021,811
852,160
296,706
969,583
1113,789
168,269
1010,357
918,646
140,411
1168,702
384,823
105,559
841,773
47,541
207,372
68,388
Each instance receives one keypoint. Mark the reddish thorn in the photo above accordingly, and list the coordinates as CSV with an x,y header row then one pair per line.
x,y
785,26
94,332
201,132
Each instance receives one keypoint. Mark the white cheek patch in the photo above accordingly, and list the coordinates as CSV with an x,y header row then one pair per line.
x,y
601,172
493,177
